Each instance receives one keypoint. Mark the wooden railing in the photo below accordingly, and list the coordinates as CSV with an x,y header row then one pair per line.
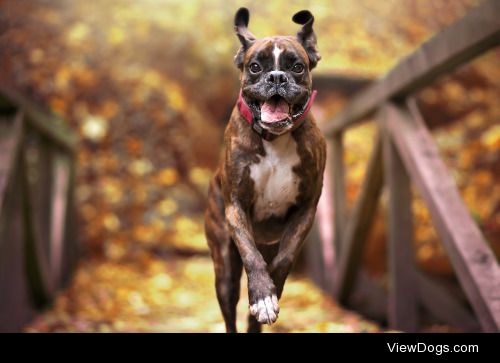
x,y
37,240
405,152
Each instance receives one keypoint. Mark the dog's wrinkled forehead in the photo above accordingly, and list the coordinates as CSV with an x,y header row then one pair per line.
x,y
275,49
303,43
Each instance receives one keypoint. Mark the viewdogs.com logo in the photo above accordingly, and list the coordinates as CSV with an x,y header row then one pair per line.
x,y
437,349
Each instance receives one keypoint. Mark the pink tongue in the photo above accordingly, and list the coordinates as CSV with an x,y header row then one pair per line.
x,y
272,111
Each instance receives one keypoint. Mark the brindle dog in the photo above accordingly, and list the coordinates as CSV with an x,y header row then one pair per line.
x,y
263,197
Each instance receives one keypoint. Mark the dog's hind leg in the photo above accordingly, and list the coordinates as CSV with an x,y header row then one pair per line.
x,y
227,284
227,261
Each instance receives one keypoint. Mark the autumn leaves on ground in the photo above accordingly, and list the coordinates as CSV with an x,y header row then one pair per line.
x,y
148,87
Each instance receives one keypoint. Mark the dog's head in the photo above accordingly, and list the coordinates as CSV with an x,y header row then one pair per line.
x,y
276,71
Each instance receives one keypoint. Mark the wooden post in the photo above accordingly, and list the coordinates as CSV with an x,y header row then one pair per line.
x,y
359,225
71,250
10,136
36,261
59,203
41,202
402,304
336,154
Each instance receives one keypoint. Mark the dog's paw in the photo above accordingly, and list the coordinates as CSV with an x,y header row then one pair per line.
x,y
262,298
266,310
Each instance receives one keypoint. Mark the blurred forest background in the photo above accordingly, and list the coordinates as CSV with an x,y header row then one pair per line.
x,y
148,86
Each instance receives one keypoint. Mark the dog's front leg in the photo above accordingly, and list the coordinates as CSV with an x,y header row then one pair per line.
x,y
261,290
290,244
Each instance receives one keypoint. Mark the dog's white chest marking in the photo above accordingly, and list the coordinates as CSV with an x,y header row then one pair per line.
x,y
276,185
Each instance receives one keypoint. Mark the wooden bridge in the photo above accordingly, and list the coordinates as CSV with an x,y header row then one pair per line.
x,y
405,153
37,166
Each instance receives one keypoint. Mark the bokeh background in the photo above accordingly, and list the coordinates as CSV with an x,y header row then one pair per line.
x,y
148,86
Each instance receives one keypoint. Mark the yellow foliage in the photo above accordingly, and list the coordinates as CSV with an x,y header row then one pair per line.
x,y
111,222
178,297
78,32
94,128
116,35
168,176
167,206
140,167
491,138
200,176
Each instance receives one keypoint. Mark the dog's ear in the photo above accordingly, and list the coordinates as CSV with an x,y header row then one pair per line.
x,y
246,38
306,36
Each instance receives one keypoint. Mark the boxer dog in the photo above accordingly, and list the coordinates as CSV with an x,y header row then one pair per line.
x,y
263,197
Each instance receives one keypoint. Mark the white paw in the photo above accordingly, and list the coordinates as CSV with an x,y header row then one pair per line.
x,y
266,310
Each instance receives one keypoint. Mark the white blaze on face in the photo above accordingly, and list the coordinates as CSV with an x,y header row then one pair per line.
x,y
276,53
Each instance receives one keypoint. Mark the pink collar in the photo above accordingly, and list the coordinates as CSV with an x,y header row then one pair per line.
x,y
248,115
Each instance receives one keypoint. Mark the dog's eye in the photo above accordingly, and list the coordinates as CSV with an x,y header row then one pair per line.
x,y
255,68
298,68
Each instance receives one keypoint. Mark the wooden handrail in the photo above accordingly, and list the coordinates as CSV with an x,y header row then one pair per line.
x,y
477,32
50,126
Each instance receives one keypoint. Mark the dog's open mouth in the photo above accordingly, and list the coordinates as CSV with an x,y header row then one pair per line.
x,y
275,113
275,109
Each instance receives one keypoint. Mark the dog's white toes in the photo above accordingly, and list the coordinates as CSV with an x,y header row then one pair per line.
x,y
253,309
266,310
271,314
262,314
276,307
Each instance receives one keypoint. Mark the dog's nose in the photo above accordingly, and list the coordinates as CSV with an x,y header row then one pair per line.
x,y
277,77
